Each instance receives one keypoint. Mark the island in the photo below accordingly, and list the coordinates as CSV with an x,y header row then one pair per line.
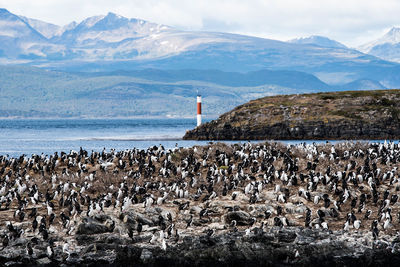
x,y
345,115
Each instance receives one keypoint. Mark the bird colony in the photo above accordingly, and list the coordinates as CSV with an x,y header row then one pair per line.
x,y
157,197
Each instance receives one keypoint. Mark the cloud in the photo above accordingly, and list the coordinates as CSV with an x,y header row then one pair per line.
x,y
351,22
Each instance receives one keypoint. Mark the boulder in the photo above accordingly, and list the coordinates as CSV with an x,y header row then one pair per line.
x,y
132,217
241,218
92,227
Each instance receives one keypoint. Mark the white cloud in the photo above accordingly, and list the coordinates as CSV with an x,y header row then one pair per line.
x,y
351,21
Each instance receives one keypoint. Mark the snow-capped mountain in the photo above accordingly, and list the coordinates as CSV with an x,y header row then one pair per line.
x,y
318,41
16,36
133,58
113,37
386,47
112,42
12,26
21,42
48,30
109,29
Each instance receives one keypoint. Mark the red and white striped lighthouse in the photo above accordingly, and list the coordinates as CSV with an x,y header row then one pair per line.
x,y
198,110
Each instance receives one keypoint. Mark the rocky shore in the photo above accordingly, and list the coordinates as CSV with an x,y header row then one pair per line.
x,y
249,204
351,115
290,246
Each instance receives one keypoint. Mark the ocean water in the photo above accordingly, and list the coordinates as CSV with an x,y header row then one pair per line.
x,y
28,136
31,136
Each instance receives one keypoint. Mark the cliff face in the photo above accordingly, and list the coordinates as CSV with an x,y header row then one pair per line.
x,y
337,115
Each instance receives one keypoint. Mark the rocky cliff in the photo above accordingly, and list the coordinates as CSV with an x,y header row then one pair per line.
x,y
292,246
337,115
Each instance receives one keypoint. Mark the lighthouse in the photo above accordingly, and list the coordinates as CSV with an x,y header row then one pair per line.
x,y
198,109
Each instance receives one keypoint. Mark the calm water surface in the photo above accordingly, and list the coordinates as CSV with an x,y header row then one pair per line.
x,y
28,137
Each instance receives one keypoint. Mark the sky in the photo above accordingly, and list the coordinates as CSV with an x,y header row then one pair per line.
x,y
352,22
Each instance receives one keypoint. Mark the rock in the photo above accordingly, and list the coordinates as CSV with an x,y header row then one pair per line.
x,y
44,261
195,210
132,217
241,218
110,224
286,236
102,217
277,246
128,218
12,263
144,219
115,239
91,227
83,239
146,255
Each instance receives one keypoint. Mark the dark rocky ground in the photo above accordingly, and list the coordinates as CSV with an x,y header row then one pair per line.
x,y
274,247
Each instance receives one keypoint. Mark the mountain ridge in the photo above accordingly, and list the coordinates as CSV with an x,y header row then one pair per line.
x,y
386,47
319,41
111,42
31,92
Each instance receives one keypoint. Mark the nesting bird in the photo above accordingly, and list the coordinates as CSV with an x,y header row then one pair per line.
x,y
345,186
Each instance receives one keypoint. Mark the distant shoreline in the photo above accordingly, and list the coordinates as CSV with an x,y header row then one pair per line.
x,y
104,118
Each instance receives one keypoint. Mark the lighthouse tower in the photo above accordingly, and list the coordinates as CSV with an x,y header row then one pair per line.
x,y
198,109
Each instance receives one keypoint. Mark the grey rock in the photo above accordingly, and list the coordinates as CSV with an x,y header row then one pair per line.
x,y
195,210
132,217
102,217
12,263
91,227
241,217
144,220
276,246
146,255
44,261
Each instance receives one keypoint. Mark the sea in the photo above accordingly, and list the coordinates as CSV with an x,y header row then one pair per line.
x,y
37,136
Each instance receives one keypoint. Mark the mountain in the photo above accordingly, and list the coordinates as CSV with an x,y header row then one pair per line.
x,y
34,92
362,84
22,43
387,47
14,27
109,65
318,41
288,79
48,30
109,29
111,42
17,38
